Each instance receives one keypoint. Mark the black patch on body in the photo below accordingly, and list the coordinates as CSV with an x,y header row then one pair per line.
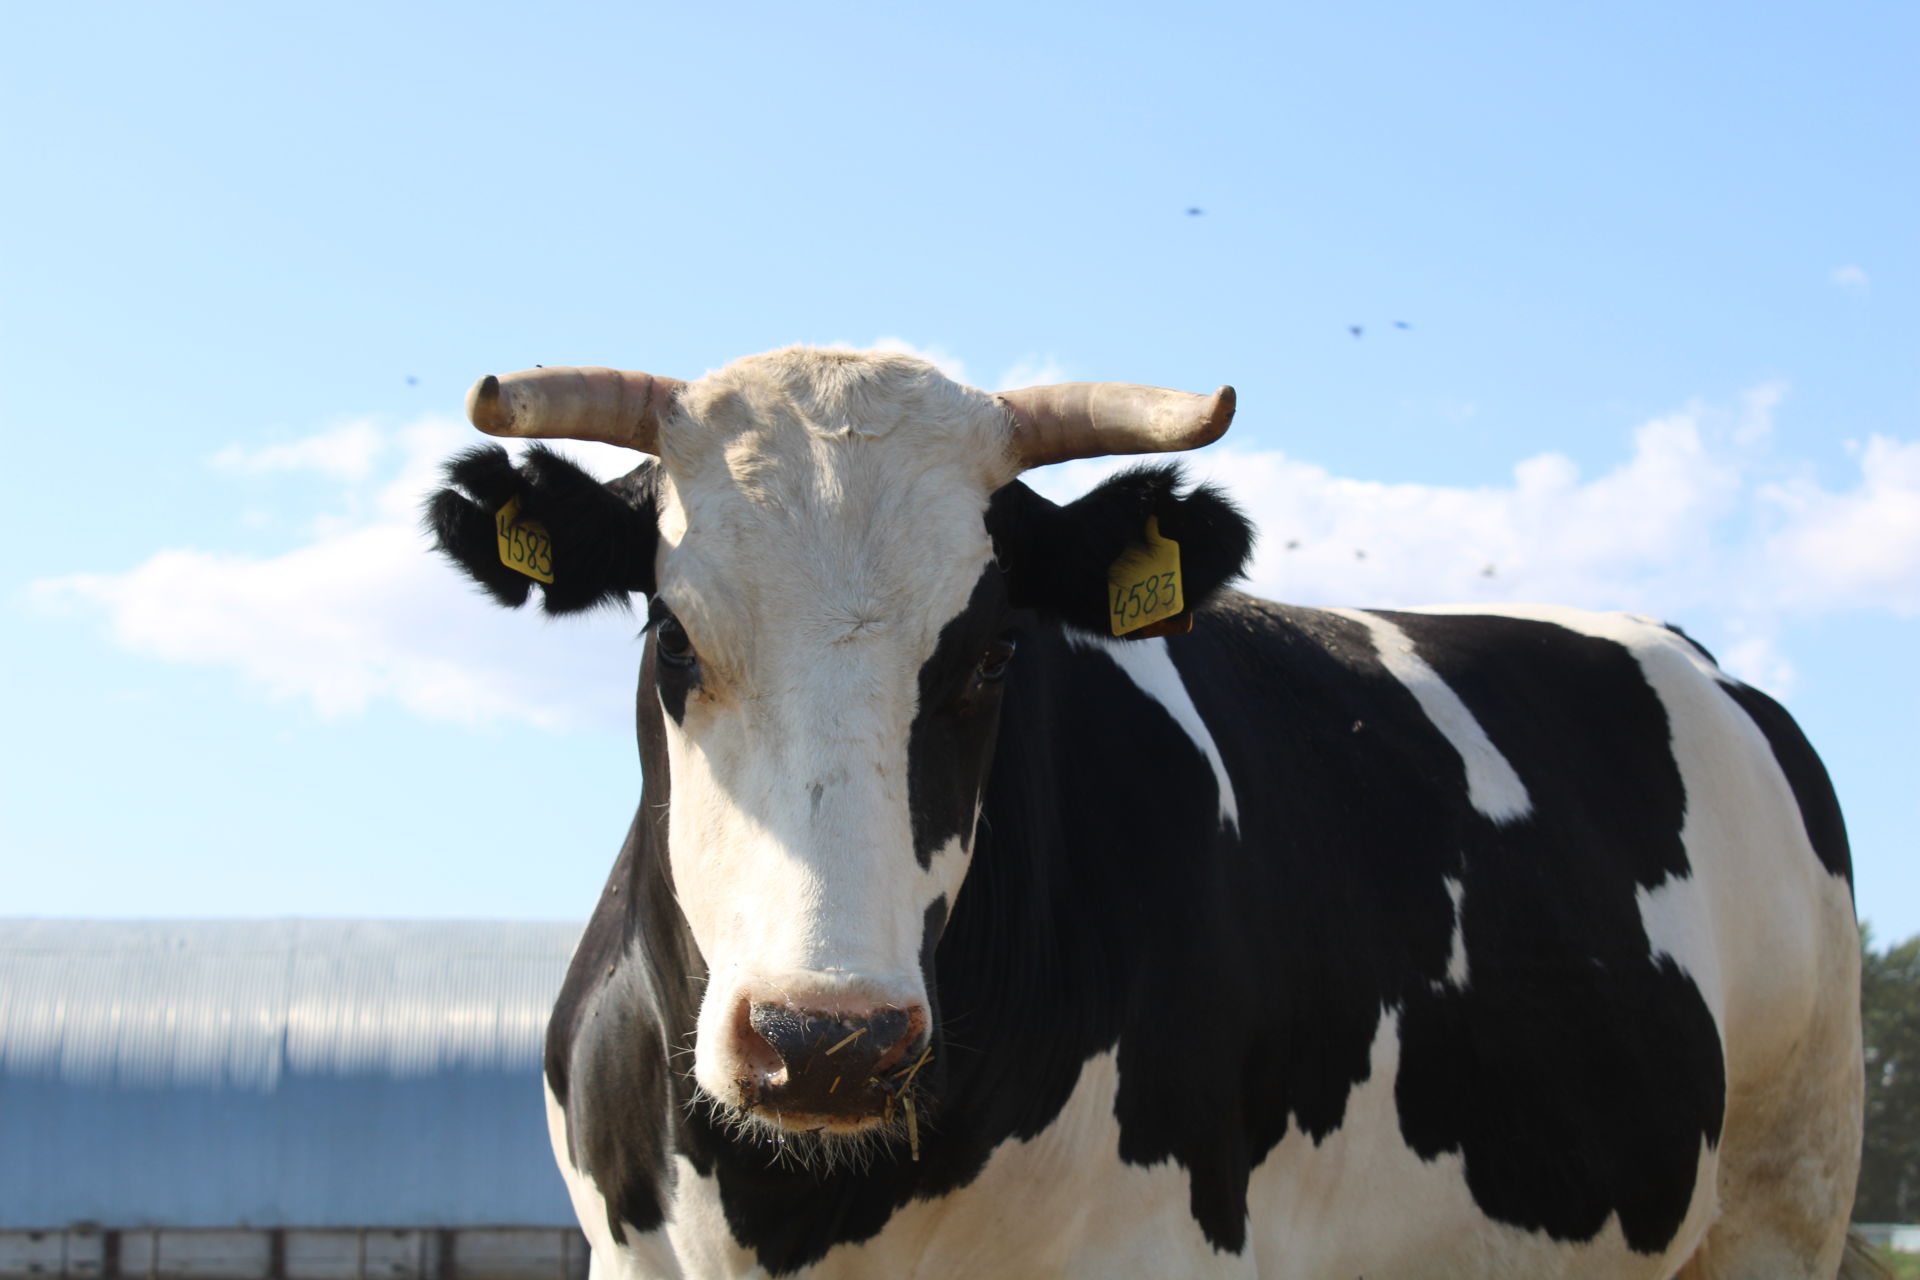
x,y
950,744
1812,788
1242,975
932,1077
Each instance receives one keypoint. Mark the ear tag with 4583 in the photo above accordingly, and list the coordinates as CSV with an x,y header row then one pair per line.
x,y
1143,586
524,544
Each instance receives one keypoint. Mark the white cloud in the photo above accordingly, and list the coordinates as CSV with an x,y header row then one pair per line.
x,y
1756,658
1693,526
1446,408
1026,372
1834,550
1030,371
347,452
366,611
1850,278
1699,523
1753,424
1550,534
938,357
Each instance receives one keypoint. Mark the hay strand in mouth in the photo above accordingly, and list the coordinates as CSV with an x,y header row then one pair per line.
x,y
850,1038
905,1076
913,1127
834,1085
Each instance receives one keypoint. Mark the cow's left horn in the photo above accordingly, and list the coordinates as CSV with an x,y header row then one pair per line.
x,y
1095,419
615,406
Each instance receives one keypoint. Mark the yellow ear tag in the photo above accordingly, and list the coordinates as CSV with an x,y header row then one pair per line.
x,y
1143,586
524,544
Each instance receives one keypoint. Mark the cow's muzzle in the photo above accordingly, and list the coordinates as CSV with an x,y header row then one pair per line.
x,y
839,1069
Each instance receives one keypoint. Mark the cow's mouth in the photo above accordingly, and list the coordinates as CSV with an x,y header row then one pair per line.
x,y
822,1142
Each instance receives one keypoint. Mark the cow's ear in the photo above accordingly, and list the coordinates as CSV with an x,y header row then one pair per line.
x,y
600,538
1057,559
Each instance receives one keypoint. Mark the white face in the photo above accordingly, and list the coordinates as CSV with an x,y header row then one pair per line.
x,y
821,521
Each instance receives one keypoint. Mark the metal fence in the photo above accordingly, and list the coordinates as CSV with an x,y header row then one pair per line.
x,y
89,1252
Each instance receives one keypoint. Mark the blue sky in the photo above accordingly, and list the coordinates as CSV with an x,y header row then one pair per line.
x,y
1657,262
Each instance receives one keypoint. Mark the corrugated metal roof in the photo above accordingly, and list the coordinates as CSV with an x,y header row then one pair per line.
x,y
296,1072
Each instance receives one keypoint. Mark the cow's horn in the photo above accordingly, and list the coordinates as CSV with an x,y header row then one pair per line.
x,y
1095,419
611,405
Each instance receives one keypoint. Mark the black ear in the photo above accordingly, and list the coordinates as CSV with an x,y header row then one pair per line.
x,y
1056,558
604,535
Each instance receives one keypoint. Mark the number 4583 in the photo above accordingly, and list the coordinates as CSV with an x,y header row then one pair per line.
x,y
1149,595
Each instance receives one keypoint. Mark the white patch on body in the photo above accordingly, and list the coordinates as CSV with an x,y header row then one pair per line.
x,y
1359,1203
1492,786
1457,951
1061,1205
1148,664
947,868
1674,913
698,1228
646,1255
1363,1203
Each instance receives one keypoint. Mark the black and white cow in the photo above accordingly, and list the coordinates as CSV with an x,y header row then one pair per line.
x,y
955,936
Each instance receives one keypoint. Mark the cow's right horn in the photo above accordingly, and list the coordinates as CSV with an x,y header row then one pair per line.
x,y
1096,419
614,406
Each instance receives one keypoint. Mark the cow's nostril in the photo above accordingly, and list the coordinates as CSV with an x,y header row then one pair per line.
x,y
758,1055
799,1034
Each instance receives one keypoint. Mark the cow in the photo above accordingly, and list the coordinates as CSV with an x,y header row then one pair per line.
x,y
1008,895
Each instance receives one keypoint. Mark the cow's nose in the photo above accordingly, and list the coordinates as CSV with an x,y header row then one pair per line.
x,y
839,1062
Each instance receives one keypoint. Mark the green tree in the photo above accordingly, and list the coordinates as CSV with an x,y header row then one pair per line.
x,y
1890,1024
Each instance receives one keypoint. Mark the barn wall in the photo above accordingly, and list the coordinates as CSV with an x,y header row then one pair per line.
x,y
347,1074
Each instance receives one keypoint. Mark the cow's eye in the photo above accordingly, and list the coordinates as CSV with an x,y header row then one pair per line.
x,y
674,647
994,659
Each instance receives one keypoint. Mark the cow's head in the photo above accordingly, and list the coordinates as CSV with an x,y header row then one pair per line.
x,y
834,547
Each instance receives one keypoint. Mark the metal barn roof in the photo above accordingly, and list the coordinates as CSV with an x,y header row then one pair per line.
x,y
295,1072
